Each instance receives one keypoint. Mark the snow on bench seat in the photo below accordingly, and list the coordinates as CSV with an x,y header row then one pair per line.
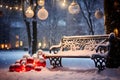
x,y
77,53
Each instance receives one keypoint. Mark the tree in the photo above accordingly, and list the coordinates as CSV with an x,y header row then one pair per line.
x,y
32,33
112,16
88,8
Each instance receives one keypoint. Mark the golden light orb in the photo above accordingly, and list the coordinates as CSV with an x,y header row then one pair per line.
x,y
74,8
42,14
29,13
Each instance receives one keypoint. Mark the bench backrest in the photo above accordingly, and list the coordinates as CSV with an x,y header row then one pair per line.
x,y
82,42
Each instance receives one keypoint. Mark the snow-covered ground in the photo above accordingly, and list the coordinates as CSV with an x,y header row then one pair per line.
x,y
74,69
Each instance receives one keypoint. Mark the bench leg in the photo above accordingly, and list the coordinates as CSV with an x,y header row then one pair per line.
x,y
99,62
55,62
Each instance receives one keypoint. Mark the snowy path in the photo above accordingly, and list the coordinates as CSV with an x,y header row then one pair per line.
x,y
61,74
74,69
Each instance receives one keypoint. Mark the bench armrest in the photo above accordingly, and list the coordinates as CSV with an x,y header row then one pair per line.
x,y
55,48
102,48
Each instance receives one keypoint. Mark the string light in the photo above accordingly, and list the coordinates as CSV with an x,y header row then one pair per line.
x,y
1,5
20,9
16,8
6,6
10,8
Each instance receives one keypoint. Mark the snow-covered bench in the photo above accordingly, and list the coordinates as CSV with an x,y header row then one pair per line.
x,y
78,47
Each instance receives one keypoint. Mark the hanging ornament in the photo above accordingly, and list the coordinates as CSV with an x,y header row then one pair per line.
x,y
42,14
74,8
98,14
29,13
41,2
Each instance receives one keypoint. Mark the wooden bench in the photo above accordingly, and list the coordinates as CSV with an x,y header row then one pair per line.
x,y
78,47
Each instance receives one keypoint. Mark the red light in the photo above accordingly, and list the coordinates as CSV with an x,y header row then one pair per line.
x,y
28,64
29,67
12,68
37,68
30,60
18,67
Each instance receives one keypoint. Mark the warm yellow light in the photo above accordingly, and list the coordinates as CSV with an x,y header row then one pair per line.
x,y
6,45
116,32
20,9
1,5
44,45
10,8
16,8
64,3
6,6
41,2
29,13
42,14
34,4
39,44
17,37
74,8
17,44
2,46
21,43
